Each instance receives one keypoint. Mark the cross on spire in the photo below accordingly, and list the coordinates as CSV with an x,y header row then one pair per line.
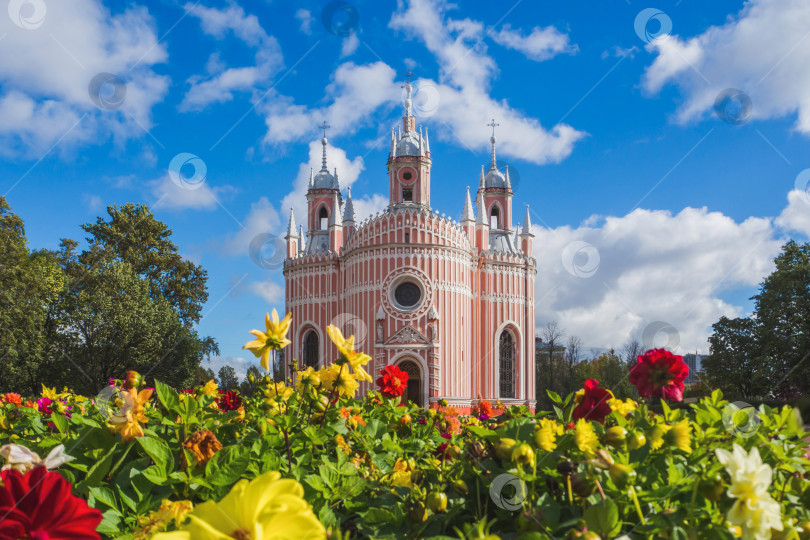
x,y
493,125
408,76
324,127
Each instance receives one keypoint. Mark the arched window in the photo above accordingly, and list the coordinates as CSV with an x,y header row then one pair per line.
x,y
495,218
506,347
311,349
414,385
323,219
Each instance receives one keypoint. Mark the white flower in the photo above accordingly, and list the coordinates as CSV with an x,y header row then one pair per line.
x,y
23,460
755,510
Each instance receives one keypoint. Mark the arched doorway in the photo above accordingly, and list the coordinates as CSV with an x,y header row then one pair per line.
x,y
311,352
414,391
506,375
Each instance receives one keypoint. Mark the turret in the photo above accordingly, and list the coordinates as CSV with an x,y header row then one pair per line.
x,y
496,188
468,218
409,160
323,203
292,237
526,235
348,216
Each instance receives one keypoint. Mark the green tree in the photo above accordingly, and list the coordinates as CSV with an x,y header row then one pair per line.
x,y
612,373
736,363
29,284
248,388
132,234
228,379
202,375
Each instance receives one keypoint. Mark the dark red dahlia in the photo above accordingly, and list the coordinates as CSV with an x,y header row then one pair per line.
x,y
228,400
392,381
660,373
39,505
592,402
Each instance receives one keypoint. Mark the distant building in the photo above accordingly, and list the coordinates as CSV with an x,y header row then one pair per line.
x,y
541,349
695,363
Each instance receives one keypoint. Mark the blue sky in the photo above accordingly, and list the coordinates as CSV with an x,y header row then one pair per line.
x,y
647,206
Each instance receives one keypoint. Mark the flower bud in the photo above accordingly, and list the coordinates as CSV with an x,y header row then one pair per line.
x,y
622,475
583,485
523,454
133,380
616,436
251,377
503,448
405,420
443,402
437,502
460,486
636,440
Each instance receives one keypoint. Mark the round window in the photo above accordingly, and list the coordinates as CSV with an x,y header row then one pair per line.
x,y
407,175
407,294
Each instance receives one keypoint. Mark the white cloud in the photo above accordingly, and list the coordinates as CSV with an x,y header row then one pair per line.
x,y
651,266
541,44
169,195
262,218
462,93
349,46
306,18
92,202
270,291
239,364
219,84
796,215
45,81
762,50
368,205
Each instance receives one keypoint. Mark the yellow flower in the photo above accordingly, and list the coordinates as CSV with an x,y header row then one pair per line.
x,y
307,379
585,437
347,353
545,434
210,389
274,339
266,507
656,436
402,474
755,511
52,394
622,407
680,436
278,389
338,378
160,518
128,419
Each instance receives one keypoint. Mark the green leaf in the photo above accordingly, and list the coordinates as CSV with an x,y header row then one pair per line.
x,y
555,397
98,471
376,516
603,518
375,428
167,396
105,495
158,450
60,421
227,465
110,523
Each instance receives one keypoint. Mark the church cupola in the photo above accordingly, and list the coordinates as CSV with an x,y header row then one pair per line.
x,y
495,188
323,207
409,159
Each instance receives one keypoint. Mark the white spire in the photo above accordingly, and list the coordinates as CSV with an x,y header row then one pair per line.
x,y
336,179
324,127
421,142
481,217
311,179
291,232
468,214
427,141
481,184
527,224
301,240
393,144
517,227
508,182
348,208
492,139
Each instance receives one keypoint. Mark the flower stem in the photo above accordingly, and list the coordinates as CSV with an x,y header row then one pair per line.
x,y
637,505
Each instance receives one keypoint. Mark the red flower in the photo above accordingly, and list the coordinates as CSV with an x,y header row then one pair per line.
x,y
39,505
228,400
593,402
392,381
11,397
660,373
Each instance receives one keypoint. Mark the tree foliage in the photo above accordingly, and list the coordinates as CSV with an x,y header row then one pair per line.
x,y
228,379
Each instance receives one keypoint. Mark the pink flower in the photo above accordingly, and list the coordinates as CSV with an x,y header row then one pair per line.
x,y
660,373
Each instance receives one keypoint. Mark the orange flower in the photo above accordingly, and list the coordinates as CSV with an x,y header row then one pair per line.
x,y
127,420
11,397
485,407
203,444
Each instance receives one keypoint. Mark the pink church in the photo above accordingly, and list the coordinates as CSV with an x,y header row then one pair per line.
x,y
451,303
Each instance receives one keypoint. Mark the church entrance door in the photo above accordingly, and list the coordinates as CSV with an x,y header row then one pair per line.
x,y
414,392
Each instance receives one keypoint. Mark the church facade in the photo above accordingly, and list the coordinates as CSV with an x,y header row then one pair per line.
x,y
451,303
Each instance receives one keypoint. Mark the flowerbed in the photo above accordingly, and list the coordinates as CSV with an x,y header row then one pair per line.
x,y
305,459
